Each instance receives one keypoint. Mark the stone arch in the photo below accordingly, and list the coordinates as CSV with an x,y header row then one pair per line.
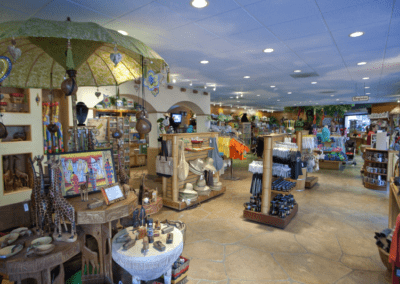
x,y
148,106
194,107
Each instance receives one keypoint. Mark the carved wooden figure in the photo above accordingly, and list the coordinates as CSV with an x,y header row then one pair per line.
x,y
84,188
123,178
34,197
46,206
90,257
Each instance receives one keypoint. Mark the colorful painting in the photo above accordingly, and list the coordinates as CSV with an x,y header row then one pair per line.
x,y
75,165
152,83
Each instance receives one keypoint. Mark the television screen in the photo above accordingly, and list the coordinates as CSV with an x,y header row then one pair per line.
x,y
177,117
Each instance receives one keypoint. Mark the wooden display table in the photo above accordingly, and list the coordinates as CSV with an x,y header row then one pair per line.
x,y
19,267
394,203
97,223
330,165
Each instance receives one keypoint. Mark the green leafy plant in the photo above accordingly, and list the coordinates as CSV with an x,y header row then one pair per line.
x,y
113,101
124,102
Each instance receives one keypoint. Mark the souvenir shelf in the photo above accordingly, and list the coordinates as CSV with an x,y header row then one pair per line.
x,y
394,203
386,167
172,185
112,112
17,100
267,192
30,120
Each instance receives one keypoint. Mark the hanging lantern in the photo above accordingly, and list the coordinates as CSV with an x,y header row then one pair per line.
x,y
97,94
69,86
15,52
143,125
116,57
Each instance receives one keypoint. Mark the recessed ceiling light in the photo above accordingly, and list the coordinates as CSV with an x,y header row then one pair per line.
x,y
231,97
268,50
365,78
258,95
246,77
199,3
362,63
313,83
368,93
237,97
123,32
205,87
367,87
289,93
238,101
337,99
241,95
190,84
278,100
204,62
316,103
356,34
332,95
214,89
272,86
297,71
174,80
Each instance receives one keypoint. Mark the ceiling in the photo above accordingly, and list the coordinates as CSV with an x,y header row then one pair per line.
x,y
308,35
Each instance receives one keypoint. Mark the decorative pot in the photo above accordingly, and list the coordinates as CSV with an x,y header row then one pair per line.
x,y
143,125
69,86
81,113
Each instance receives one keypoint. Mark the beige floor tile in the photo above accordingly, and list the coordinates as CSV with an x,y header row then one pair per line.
x,y
277,241
253,228
250,264
253,282
226,237
213,282
360,263
209,225
366,277
207,270
205,250
357,246
229,249
311,269
193,236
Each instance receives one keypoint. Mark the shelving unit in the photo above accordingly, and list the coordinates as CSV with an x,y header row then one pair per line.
x,y
172,185
388,166
267,192
245,128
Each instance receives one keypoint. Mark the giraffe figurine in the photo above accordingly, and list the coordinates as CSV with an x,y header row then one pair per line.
x,y
63,209
123,178
34,196
45,199
84,188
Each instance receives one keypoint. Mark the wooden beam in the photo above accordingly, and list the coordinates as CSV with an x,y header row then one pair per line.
x,y
170,87
183,90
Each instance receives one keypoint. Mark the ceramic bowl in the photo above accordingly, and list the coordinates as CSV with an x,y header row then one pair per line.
x,y
21,231
44,249
7,251
41,241
11,238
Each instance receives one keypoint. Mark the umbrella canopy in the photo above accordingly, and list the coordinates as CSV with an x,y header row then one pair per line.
x,y
396,110
43,45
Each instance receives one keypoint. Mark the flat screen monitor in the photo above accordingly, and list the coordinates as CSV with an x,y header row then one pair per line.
x,y
177,117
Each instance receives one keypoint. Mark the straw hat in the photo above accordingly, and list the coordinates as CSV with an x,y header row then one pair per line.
x,y
196,166
202,190
188,192
210,165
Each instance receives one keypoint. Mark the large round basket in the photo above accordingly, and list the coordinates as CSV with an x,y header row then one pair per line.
x,y
385,258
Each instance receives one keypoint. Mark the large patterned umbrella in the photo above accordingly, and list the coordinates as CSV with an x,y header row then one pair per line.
x,y
43,46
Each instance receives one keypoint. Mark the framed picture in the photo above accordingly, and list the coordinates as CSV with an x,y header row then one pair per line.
x,y
74,166
112,193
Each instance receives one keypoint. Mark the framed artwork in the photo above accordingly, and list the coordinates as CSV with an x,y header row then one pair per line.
x,y
74,166
112,193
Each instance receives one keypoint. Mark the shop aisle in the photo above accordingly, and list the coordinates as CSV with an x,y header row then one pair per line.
x,y
331,240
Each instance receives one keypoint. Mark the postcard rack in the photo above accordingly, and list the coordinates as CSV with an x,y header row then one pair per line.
x,y
172,185
267,193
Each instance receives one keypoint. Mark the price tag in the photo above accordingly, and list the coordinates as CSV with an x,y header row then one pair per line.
x,y
26,207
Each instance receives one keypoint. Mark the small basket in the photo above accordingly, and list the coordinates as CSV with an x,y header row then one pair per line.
x,y
197,144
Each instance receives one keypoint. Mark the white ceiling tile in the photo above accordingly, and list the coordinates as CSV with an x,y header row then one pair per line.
x,y
59,10
248,2
329,5
232,22
11,15
299,28
310,42
279,11
217,46
191,33
25,6
320,56
110,8
184,8
359,15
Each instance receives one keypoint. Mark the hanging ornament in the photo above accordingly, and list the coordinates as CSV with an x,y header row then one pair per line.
x,y
15,52
106,101
152,83
116,57
143,125
69,86
137,88
97,94
168,79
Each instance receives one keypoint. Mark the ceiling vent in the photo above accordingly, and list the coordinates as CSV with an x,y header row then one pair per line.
x,y
328,92
304,75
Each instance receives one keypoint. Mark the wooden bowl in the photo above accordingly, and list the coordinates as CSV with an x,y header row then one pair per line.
x,y
385,259
44,249
41,241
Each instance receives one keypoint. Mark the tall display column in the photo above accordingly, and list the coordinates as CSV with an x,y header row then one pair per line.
x,y
203,124
152,151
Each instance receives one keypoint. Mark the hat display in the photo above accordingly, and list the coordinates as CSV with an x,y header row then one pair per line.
x,y
217,185
201,187
196,166
209,165
188,193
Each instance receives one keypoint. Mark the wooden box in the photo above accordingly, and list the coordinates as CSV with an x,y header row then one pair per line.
x,y
311,181
331,165
270,220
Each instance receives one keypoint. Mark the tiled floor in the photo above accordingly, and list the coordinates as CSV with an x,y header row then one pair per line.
x,y
331,240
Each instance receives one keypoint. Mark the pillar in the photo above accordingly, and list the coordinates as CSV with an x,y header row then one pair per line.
x,y
203,124
152,150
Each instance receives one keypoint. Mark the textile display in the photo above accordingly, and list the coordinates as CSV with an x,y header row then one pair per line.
x,y
237,150
214,154
164,163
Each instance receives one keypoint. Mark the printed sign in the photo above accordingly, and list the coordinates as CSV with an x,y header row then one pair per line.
x,y
360,98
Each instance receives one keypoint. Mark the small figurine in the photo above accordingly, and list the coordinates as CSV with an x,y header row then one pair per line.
x,y
157,225
150,229
141,233
84,189
129,244
142,217
167,229
145,248
124,238
158,245
170,238
156,234
136,222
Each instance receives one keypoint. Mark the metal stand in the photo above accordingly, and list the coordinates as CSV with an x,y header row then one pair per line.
x,y
231,177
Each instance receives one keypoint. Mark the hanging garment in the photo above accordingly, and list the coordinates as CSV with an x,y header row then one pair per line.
x,y
183,166
223,145
209,178
296,165
214,154
238,150
260,147
256,184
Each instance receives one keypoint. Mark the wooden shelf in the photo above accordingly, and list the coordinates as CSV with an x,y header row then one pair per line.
x,y
365,172
283,192
199,149
374,186
270,220
311,181
369,161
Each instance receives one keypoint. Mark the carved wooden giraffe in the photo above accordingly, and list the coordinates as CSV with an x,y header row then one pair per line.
x,y
123,178
34,196
62,207
84,188
44,197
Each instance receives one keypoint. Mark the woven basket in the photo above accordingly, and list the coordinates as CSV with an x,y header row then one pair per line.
x,y
385,259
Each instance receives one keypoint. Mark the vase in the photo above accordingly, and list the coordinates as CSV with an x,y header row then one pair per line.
x,y
143,125
81,113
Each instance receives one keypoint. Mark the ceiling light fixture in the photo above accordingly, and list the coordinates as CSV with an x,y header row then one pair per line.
x,y
241,95
191,84
246,77
278,100
237,97
337,99
231,97
297,71
313,83
368,93
214,89
332,95
272,86
362,63
204,62
365,78
366,87
268,50
174,80
356,34
205,87
123,32
289,93
199,3
258,95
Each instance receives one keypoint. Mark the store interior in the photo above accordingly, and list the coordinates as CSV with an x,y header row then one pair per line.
x,y
199,141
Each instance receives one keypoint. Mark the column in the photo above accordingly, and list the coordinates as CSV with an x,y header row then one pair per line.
x,y
152,150
203,124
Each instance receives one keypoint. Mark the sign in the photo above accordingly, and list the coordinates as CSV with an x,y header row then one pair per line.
x,y
360,98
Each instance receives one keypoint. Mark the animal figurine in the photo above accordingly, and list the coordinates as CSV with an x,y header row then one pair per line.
x,y
84,189
22,176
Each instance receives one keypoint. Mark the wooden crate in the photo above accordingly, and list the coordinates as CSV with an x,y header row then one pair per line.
x,y
311,181
270,220
330,165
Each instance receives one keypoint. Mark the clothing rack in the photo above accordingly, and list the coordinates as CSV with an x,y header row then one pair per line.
x,y
267,179
232,177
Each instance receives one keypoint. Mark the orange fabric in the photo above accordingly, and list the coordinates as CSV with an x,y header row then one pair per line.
x,y
237,150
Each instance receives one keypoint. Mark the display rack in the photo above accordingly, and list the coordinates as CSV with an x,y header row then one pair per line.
x,y
267,192
245,128
388,166
172,185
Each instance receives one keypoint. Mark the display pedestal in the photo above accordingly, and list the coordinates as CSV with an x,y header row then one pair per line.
x,y
311,181
231,177
97,223
270,220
